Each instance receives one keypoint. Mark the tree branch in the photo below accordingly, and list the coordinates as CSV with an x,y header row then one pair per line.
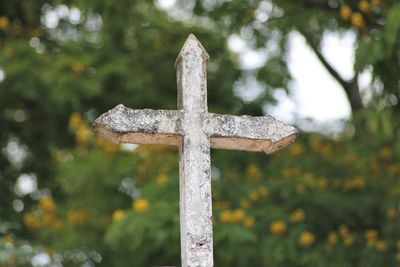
x,y
324,62
350,87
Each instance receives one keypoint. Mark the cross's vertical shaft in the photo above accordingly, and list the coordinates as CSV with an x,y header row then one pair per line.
x,y
195,176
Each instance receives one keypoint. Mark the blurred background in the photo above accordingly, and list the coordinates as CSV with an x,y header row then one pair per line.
x,y
329,67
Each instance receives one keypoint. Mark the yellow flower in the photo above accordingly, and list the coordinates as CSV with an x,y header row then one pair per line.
x,y
248,222
118,215
373,167
38,32
371,234
8,239
356,183
287,172
253,173
297,216
345,12
385,153
17,29
359,182
381,246
398,244
222,205
306,239
394,192
322,184
4,23
348,240
278,227
332,238
349,159
141,205
9,52
231,176
377,2
327,151
47,204
31,221
337,182
77,217
78,68
228,216
391,213
309,179
55,224
106,146
296,149
300,188
75,120
393,169
317,143
364,6
83,135
398,257
244,203
371,243
253,196
357,20
225,216
343,230
238,215
263,191
47,219
161,179
291,172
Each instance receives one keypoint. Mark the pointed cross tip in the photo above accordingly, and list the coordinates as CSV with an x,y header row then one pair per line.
x,y
192,43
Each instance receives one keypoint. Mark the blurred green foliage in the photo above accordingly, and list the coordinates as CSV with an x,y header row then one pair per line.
x,y
323,202
319,203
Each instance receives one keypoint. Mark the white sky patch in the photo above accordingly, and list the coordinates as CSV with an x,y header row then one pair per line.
x,y
62,11
252,59
315,94
75,15
18,205
2,75
128,147
365,79
26,184
248,88
165,4
51,19
34,42
15,153
236,44
41,259
263,11
339,52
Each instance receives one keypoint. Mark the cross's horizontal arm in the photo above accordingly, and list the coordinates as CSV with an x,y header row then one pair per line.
x,y
265,133
145,126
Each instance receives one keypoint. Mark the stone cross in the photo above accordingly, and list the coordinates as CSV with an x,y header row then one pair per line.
x,y
195,131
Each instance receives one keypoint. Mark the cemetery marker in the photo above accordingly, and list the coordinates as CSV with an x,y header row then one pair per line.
x,y
194,130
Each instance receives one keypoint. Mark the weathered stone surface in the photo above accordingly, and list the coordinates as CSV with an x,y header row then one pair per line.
x,y
125,125
195,166
195,131
264,133
191,76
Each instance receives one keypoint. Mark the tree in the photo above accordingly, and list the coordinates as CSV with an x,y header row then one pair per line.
x,y
375,24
